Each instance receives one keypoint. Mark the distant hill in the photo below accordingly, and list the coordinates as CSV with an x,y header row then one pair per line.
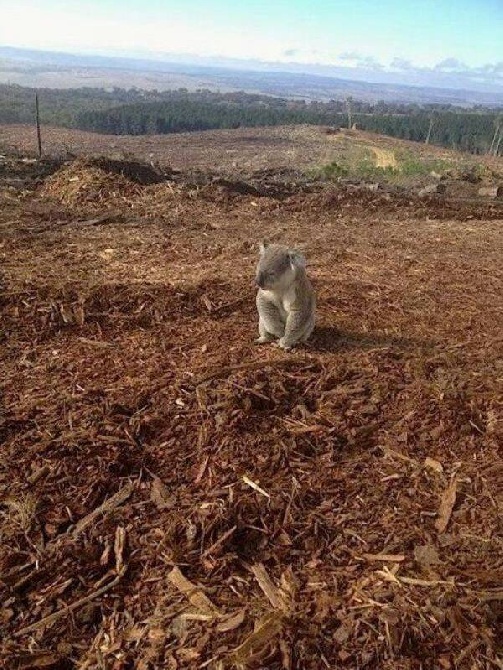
x,y
29,67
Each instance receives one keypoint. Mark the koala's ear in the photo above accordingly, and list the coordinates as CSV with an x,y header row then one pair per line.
x,y
262,247
297,259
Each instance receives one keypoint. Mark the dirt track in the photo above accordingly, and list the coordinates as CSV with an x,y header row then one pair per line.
x,y
344,499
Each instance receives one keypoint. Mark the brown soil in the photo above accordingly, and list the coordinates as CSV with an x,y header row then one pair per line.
x,y
172,496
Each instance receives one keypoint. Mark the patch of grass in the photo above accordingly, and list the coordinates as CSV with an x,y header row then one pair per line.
x,y
412,165
366,170
409,166
334,170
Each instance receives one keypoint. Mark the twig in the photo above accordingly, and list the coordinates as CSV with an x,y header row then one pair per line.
x,y
255,486
51,618
219,542
110,504
391,558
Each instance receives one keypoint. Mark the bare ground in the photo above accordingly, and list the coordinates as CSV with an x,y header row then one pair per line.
x,y
173,496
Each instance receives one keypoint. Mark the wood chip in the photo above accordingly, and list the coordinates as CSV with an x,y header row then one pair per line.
x,y
272,592
397,455
39,659
426,555
432,464
254,486
194,594
231,622
252,365
392,558
160,495
446,506
265,630
38,474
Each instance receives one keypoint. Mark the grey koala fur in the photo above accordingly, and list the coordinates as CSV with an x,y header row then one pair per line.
x,y
286,301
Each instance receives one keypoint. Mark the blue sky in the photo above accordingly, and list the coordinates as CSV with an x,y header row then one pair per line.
x,y
354,33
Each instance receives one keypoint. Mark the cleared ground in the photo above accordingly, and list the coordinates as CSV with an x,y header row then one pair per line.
x,y
174,496
243,150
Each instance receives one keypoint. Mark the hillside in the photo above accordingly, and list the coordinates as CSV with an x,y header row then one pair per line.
x,y
172,495
245,150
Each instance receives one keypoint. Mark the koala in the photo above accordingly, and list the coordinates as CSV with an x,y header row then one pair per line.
x,y
286,301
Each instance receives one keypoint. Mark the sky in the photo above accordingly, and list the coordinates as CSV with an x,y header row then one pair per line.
x,y
373,34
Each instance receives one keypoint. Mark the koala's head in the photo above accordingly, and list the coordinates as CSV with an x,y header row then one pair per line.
x,y
278,266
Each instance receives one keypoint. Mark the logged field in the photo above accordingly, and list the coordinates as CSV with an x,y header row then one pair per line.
x,y
174,496
241,150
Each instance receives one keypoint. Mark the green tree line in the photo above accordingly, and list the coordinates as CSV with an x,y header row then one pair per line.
x,y
138,112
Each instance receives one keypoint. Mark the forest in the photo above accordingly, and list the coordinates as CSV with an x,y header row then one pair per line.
x,y
138,112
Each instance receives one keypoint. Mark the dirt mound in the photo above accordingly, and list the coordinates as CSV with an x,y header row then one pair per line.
x,y
140,173
101,180
82,182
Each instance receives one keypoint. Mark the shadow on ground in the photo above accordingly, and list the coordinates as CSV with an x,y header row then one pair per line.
x,y
332,339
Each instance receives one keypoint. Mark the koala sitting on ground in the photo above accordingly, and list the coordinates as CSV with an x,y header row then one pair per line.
x,y
285,300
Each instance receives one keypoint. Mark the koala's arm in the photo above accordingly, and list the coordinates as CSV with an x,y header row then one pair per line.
x,y
270,321
300,317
